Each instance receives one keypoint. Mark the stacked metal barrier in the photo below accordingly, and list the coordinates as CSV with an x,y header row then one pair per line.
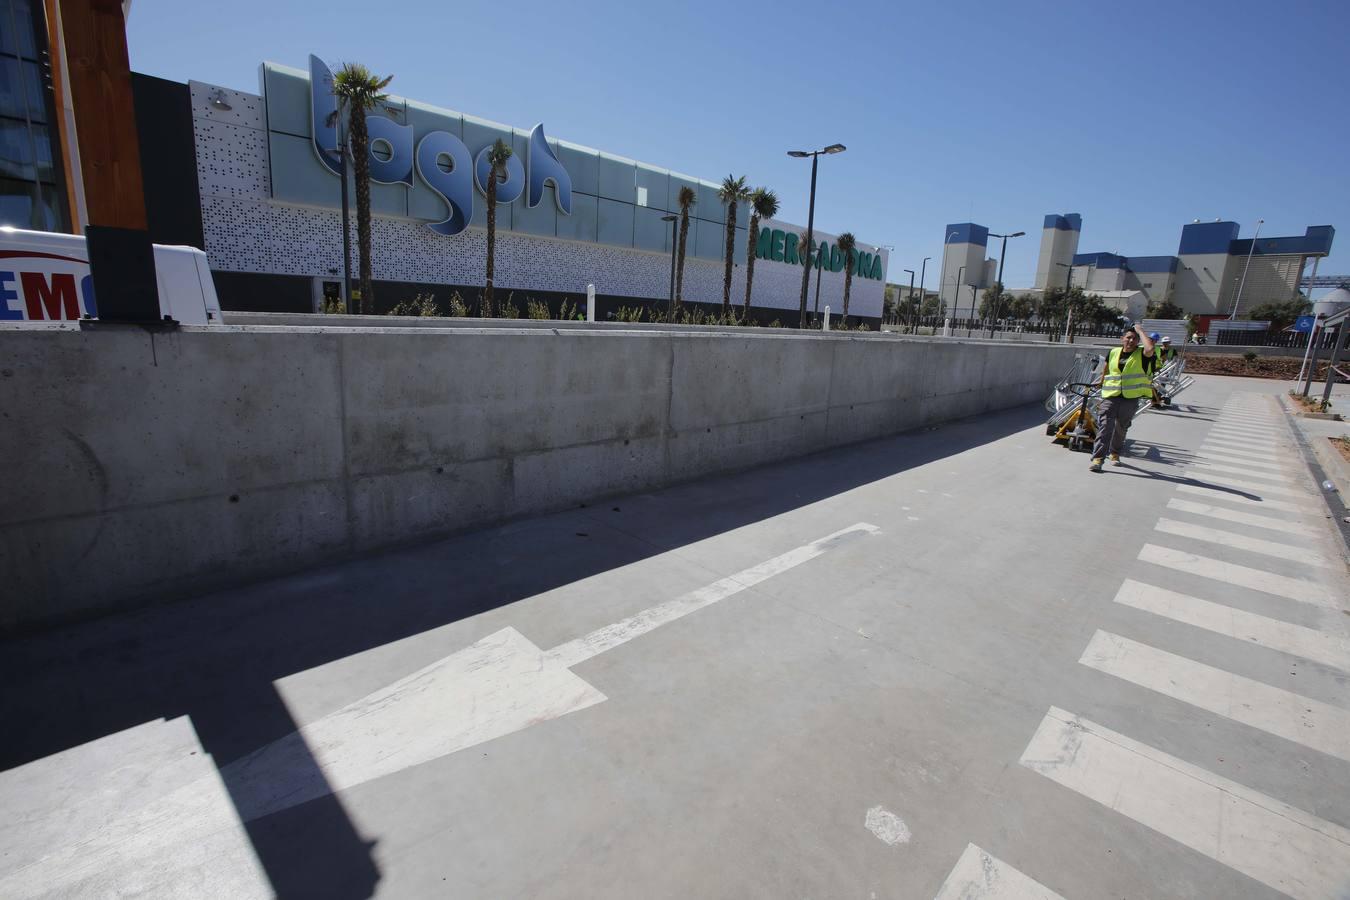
x,y
1075,409
1071,419
1172,380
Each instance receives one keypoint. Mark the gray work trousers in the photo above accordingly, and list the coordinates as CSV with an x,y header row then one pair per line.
x,y
1116,415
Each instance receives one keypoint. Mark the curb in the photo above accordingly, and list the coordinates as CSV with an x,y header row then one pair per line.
x,y
1337,509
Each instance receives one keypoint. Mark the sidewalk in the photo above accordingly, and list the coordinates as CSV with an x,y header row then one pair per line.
x,y
897,670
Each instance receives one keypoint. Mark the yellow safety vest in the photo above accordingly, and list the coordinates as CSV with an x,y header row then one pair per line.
x,y
1133,383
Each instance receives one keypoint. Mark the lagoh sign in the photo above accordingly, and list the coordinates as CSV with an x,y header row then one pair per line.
x,y
442,161
785,246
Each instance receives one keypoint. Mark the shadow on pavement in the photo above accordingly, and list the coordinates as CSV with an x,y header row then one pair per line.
x,y
215,658
1136,472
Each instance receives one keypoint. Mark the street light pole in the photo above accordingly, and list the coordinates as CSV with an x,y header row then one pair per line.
x,y
956,292
999,281
923,270
1068,289
910,302
811,218
820,267
1243,282
673,227
942,273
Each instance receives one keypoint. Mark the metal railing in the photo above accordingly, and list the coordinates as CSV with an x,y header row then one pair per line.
x,y
1228,337
972,327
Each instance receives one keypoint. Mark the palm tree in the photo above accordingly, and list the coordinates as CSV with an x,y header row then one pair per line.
x,y
687,198
763,205
732,192
360,91
497,157
848,246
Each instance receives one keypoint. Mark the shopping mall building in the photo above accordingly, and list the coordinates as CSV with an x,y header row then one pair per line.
x,y
252,178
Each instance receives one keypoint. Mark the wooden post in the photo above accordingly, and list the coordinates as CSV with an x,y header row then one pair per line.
x,y
99,76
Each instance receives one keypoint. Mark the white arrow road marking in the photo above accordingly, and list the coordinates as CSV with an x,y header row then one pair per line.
x,y
602,639
979,876
499,685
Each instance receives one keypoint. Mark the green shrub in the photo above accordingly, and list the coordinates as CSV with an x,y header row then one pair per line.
x,y
537,309
421,305
1250,356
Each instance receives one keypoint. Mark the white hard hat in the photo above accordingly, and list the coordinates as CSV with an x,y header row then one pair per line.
x,y
1167,340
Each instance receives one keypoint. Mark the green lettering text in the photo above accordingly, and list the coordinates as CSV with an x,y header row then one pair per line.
x,y
764,244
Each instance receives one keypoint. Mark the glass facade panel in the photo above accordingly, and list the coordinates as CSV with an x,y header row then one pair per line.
x,y
25,205
22,93
7,23
16,150
37,91
17,202
11,87
20,21
31,193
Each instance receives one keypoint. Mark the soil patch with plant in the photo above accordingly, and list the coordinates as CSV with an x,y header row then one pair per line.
x,y
1249,365
1343,445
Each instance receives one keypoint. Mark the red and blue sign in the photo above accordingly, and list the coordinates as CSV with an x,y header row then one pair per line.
x,y
44,287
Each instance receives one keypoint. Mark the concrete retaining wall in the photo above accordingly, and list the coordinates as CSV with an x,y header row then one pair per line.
x,y
143,467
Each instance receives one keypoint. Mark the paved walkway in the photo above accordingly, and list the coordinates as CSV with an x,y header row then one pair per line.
x,y
951,664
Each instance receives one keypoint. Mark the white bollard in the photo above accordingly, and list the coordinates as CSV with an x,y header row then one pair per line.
x,y
590,303
946,327
826,325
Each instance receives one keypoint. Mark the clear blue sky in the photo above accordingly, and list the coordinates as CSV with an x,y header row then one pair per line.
x,y
1141,116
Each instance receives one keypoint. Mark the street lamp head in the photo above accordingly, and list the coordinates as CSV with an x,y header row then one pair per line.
x,y
835,148
669,218
800,154
1018,234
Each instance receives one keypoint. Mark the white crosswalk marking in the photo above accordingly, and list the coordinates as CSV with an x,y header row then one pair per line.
x,y
1246,454
980,876
1242,442
1250,486
1219,493
1220,457
1308,643
1225,422
1279,845
1239,517
1303,720
1298,589
1243,542
1243,431
1244,471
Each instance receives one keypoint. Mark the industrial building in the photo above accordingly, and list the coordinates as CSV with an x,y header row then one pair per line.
x,y
1205,275
1212,271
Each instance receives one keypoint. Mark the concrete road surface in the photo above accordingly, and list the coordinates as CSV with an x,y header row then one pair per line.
x,y
948,664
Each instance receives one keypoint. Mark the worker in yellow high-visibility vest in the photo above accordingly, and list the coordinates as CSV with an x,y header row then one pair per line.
x,y
1127,378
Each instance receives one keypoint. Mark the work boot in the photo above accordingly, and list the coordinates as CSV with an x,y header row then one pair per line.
x,y
1115,459
1096,465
